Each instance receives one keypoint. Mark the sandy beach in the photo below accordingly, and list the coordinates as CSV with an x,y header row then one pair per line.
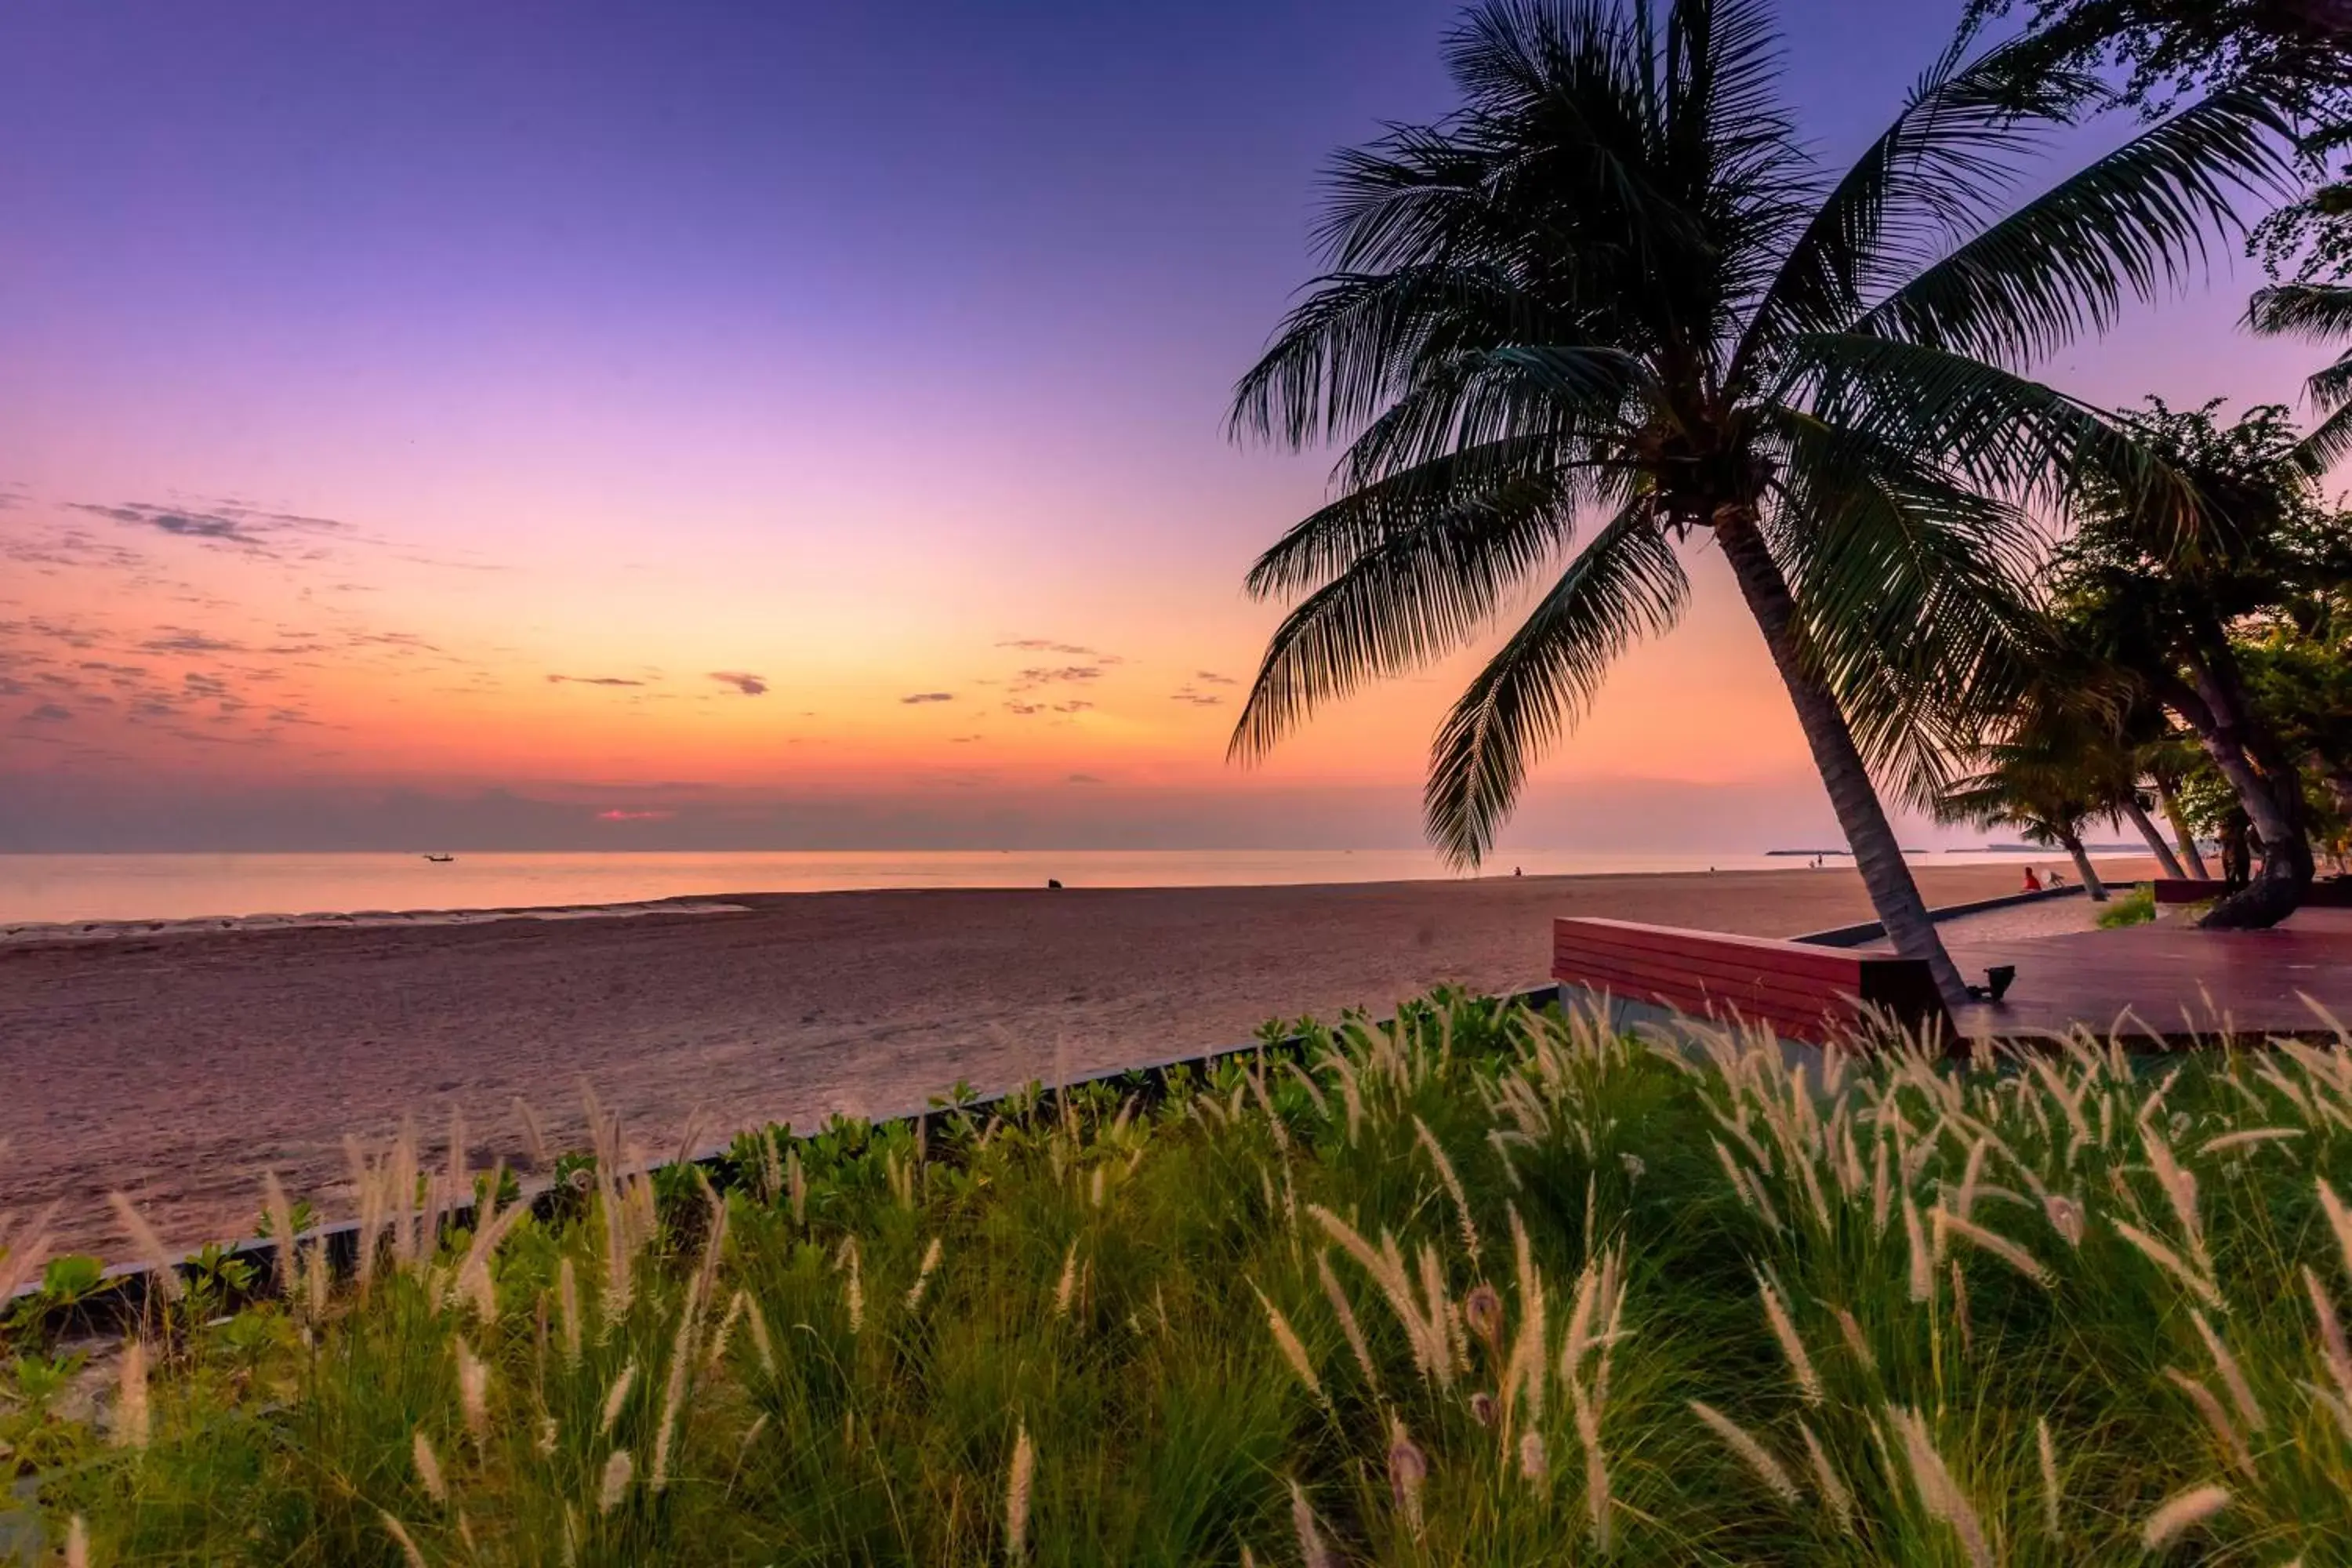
x,y
178,1064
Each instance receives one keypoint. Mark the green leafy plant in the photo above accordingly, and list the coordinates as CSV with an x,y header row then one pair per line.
x,y
1488,1284
2135,907
67,1282
302,1217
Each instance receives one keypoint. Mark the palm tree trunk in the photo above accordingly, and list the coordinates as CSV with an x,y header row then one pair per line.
x,y
1894,892
2180,832
2268,788
2082,867
2156,844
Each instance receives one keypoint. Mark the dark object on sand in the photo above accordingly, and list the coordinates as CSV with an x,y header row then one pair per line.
x,y
440,859
1052,882
1998,980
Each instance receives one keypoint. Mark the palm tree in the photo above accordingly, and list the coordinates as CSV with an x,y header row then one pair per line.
x,y
2165,756
2133,807
1614,287
2094,719
2047,779
2163,602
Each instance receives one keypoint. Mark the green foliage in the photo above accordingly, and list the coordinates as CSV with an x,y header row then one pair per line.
x,y
2051,771
1464,1283
1613,300
2133,908
67,1282
2228,614
301,1218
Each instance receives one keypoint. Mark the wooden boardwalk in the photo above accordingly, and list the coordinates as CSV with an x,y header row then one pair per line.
x,y
2169,985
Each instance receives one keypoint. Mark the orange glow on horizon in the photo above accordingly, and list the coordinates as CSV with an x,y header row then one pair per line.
x,y
415,679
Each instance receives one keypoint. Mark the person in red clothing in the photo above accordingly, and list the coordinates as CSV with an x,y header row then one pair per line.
x,y
2032,882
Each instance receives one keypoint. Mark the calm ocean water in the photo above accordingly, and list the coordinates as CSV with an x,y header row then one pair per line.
x,y
174,887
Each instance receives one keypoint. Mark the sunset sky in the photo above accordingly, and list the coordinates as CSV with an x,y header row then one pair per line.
x,y
748,425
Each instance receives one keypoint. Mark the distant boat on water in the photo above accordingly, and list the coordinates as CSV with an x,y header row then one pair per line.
x,y
440,859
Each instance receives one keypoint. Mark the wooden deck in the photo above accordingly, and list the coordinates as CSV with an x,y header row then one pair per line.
x,y
2169,985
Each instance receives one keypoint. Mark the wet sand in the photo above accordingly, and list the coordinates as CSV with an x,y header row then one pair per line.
x,y
179,1065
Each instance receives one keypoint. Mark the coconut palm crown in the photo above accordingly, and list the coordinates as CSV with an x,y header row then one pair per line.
x,y
1613,306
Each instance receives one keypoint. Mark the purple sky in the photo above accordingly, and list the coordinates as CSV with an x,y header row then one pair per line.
x,y
850,348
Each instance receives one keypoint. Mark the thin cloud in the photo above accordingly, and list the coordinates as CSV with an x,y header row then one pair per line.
x,y
1048,676
408,641
1197,698
253,529
915,696
624,813
211,740
748,684
71,547
1024,708
591,680
43,630
1211,677
50,713
1068,650
1072,707
210,528
180,639
1084,779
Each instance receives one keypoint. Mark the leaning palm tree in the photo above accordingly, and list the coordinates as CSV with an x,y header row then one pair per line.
x,y
2166,756
2048,781
2167,606
1615,288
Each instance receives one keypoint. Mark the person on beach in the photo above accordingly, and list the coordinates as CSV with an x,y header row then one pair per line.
x,y
2032,882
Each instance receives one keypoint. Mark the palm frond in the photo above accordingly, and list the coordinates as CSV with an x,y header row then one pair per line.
x,y
2316,310
1937,170
1561,98
1911,590
1420,196
1582,397
2332,386
2129,225
1435,565
2322,311
1989,429
1511,476
2330,443
1358,339
1623,586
